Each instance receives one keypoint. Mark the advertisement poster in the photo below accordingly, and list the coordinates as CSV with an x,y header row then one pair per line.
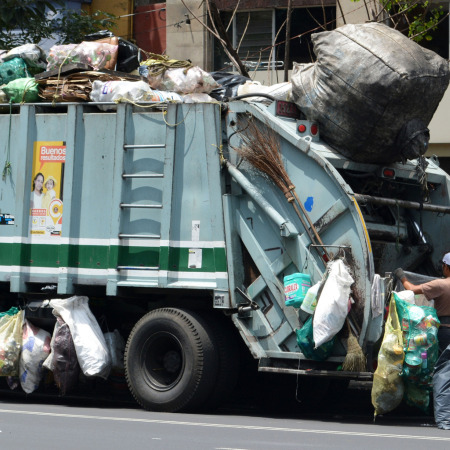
x,y
46,199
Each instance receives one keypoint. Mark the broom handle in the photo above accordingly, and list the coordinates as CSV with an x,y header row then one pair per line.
x,y
313,228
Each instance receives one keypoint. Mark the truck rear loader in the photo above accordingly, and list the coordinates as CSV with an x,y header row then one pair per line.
x,y
183,245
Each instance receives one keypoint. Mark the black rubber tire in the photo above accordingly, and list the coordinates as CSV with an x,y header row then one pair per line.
x,y
170,361
228,350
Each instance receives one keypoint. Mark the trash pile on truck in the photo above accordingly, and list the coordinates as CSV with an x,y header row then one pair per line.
x,y
373,102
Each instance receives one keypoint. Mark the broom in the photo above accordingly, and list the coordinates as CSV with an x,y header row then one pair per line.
x,y
355,360
261,149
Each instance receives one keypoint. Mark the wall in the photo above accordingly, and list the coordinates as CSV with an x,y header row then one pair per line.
x,y
188,41
150,27
124,26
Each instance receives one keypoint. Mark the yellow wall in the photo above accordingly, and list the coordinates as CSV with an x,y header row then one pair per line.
x,y
124,26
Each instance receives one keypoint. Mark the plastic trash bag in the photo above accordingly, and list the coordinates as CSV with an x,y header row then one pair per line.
x,y
94,54
114,91
63,361
35,350
13,69
332,304
116,348
388,387
367,88
228,85
280,91
306,343
92,351
441,391
183,81
22,90
10,343
419,326
32,54
128,53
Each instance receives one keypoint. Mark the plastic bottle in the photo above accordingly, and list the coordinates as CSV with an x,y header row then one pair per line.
x,y
310,301
423,355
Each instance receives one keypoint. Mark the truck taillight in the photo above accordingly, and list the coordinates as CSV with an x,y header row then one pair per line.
x,y
301,128
388,172
314,129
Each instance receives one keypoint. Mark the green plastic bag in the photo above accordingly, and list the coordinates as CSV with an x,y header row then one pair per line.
x,y
419,326
22,90
13,69
306,343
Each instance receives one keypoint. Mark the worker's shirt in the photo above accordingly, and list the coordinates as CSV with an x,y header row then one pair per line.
x,y
439,290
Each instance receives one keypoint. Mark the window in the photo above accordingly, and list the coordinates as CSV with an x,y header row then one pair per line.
x,y
254,32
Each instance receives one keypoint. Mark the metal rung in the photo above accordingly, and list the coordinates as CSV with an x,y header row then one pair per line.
x,y
139,236
131,147
142,175
137,205
136,268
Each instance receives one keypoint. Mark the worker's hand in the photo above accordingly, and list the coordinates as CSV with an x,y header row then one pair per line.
x,y
399,273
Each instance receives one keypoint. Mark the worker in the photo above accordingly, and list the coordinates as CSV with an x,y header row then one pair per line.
x,y
439,290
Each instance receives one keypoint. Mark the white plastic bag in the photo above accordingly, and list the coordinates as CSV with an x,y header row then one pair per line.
x,y
184,81
116,347
111,91
90,344
280,91
35,349
332,306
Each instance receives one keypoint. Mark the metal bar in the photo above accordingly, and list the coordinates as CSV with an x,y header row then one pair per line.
x,y
285,225
136,268
142,175
139,236
402,203
131,146
131,205
368,376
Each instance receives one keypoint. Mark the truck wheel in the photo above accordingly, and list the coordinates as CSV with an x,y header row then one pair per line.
x,y
227,348
170,361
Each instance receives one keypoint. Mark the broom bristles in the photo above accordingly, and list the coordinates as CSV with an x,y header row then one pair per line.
x,y
355,360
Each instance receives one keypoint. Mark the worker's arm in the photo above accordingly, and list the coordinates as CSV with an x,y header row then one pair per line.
x,y
406,284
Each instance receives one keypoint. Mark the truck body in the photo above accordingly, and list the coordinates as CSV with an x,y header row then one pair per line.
x,y
183,246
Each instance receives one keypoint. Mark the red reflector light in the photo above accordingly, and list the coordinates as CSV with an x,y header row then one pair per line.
x,y
389,173
314,129
301,128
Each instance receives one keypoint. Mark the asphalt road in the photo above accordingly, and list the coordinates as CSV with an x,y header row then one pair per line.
x,y
105,422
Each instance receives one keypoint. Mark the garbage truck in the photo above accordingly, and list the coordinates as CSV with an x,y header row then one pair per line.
x,y
182,243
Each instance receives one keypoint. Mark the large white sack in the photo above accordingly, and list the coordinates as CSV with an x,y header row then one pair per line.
x,y
90,344
332,306
112,91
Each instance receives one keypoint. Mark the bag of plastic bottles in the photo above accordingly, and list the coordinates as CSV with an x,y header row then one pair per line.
x,y
388,386
419,326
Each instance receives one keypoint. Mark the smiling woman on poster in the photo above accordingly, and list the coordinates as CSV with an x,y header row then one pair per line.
x,y
50,194
36,193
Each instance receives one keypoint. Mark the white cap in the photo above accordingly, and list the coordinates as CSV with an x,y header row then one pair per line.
x,y
446,259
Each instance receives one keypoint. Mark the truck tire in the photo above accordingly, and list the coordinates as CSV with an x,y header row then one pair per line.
x,y
170,361
227,347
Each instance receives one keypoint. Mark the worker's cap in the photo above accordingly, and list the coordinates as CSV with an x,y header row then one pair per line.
x,y
446,259
50,178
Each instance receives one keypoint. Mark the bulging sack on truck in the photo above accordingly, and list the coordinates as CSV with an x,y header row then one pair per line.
x,y
32,54
114,91
10,342
372,90
191,80
90,345
22,90
13,69
94,54
35,350
332,304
